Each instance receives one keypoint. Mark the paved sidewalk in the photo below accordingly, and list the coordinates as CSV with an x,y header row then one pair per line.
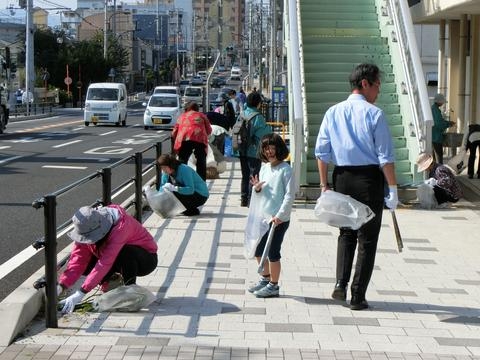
x,y
425,301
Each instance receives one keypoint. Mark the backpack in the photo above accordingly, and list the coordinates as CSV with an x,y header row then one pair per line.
x,y
241,132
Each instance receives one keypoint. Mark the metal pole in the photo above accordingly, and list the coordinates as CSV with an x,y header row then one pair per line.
x,y
29,65
105,39
158,174
107,186
51,261
176,40
138,186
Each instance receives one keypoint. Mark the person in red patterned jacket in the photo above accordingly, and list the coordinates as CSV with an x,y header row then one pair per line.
x,y
190,135
107,240
446,188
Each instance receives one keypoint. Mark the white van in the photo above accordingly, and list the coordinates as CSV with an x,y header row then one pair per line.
x,y
166,90
193,93
106,103
236,73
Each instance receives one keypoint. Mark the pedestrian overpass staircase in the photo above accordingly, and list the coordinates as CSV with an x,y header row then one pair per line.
x,y
336,35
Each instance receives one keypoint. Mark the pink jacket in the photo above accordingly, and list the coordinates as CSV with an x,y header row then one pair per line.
x,y
127,231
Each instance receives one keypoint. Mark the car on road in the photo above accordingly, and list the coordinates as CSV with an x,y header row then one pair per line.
x,y
182,84
236,73
106,103
166,90
162,111
193,93
196,81
218,81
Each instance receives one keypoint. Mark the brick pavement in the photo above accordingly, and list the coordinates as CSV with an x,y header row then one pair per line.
x,y
425,301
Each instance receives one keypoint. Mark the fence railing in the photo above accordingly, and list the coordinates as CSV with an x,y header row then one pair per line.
x,y
33,109
52,232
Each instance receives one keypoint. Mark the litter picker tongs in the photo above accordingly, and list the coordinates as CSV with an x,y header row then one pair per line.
x,y
261,266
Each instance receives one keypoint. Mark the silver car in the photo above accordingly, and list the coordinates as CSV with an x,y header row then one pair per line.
x,y
162,111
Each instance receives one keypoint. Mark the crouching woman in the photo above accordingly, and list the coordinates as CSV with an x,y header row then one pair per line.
x,y
107,242
184,182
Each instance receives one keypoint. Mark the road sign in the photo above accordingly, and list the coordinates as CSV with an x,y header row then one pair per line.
x,y
67,80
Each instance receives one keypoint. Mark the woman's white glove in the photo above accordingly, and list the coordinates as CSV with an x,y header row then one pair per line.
x,y
170,187
432,182
392,199
70,302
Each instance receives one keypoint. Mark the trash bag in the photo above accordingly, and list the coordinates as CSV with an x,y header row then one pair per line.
x,y
164,203
257,226
426,196
228,146
126,298
459,162
340,210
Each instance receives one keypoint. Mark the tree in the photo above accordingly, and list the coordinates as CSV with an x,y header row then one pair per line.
x,y
54,52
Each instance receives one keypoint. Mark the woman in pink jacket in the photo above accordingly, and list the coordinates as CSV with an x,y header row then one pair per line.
x,y
107,240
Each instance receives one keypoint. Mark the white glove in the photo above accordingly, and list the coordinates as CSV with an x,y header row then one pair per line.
x,y
170,187
432,182
145,189
59,289
70,302
392,199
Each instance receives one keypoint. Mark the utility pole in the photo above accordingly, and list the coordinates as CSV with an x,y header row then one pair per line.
x,y
193,43
29,64
105,30
250,46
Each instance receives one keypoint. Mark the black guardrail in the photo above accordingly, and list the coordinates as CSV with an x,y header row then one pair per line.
x,y
33,109
51,231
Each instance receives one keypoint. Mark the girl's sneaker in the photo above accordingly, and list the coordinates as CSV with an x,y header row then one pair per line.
x,y
267,291
259,285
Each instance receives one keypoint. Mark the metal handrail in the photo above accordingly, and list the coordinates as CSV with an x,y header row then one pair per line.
x,y
51,231
417,91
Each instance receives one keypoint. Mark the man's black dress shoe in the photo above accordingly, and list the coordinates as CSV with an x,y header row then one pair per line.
x,y
340,291
357,304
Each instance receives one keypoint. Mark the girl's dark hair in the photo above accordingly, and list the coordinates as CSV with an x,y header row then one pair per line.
x,y
281,149
369,72
168,160
253,99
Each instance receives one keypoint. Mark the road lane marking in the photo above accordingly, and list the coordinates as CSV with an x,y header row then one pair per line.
x,y
46,127
88,158
108,133
13,263
64,167
66,144
4,161
4,147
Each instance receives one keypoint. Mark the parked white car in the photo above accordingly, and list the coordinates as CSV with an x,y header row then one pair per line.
x,y
162,111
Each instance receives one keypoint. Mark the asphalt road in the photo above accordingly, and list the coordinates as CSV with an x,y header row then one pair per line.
x,y
38,157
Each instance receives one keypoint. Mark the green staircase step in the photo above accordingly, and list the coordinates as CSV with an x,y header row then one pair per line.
x,y
346,48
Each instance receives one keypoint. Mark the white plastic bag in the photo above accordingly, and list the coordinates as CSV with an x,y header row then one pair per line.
x,y
256,227
459,162
426,196
164,203
126,298
340,210
210,158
